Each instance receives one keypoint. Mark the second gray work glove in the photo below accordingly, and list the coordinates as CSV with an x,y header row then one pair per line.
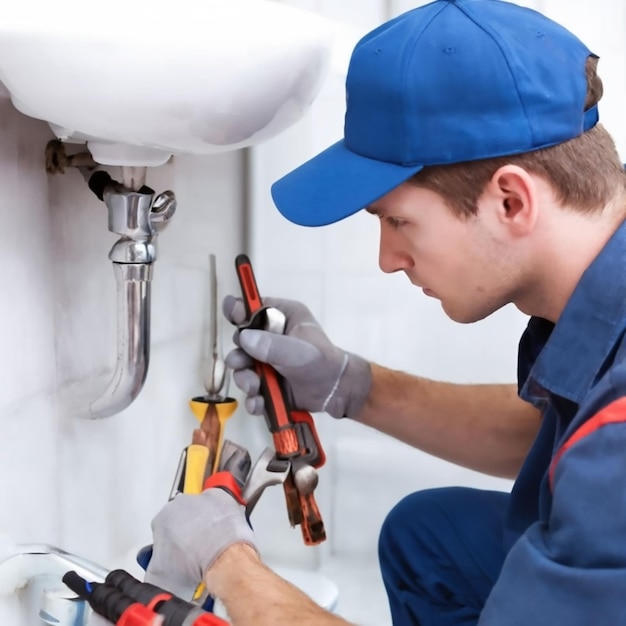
x,y
320,376
189,534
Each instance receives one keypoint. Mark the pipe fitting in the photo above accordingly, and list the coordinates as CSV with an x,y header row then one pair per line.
x,y
40,568
130,212
133,339
138,218
163,209
25,561
127,251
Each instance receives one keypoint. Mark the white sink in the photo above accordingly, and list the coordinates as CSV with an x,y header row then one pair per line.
x,y
140,80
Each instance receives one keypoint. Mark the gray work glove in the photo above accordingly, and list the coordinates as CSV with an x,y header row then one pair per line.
x,y
320,376
189,534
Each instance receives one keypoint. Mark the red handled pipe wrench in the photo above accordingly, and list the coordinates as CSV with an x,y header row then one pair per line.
x,y
293,432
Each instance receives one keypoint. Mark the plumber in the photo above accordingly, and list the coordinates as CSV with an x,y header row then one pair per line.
x,y
472,134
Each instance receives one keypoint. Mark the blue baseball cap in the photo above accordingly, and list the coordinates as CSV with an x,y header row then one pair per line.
x,y
450,81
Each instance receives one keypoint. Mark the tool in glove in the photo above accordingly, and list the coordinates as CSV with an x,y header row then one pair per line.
x,y
293,432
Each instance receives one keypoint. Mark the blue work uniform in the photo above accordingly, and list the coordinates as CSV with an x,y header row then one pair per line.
x,y
553,551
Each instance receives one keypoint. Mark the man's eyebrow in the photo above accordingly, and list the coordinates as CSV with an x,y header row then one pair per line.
x,y
373,210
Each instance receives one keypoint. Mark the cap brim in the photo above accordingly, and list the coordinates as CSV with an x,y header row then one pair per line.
x,y
335,184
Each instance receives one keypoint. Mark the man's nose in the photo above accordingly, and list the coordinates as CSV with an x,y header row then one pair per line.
x,y
391,256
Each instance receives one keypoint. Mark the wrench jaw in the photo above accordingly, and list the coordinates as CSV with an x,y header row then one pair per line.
x,y
302,509
179,477
302,506
267,471
236,460
266,318
304,476
313,531
292,499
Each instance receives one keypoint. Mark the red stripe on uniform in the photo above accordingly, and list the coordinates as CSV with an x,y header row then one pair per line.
x,y
611,414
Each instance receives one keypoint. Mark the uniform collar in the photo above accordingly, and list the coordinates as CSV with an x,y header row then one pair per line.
x,y
589,327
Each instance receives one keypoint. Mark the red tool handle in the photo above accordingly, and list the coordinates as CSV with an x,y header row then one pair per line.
x,y
226,481
276,406
304,420
138,615
251,298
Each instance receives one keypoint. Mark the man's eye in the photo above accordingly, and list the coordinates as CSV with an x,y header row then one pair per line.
x,y
394,222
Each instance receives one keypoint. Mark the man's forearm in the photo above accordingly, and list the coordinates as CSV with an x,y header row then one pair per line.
x,y
487,428
255,596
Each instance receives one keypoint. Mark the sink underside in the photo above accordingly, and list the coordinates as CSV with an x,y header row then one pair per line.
x,y
141,81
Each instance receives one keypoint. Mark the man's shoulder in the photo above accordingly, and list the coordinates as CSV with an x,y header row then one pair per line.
x,y
608,387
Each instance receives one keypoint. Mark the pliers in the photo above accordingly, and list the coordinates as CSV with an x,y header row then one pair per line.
x,y
236,476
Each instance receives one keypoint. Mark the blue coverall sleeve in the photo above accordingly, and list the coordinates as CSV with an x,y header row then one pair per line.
x,y
572,570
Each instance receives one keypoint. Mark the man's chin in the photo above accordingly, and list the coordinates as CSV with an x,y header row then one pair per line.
x,y
462,315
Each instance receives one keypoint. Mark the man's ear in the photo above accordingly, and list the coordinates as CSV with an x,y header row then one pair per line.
x,y
513,194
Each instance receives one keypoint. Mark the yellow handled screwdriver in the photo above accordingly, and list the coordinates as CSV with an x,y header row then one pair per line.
x,y
211,410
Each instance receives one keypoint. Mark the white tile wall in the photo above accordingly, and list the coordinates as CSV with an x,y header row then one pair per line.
x,y
92,486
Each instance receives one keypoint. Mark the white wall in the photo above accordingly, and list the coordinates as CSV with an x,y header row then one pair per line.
x,y
92,487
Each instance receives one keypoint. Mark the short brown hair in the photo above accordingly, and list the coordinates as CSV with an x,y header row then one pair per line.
x,y
585,172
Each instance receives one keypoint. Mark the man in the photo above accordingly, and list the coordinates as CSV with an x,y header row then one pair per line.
x,y
471,132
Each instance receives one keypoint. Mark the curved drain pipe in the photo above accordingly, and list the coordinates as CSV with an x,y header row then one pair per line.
x,y
137,217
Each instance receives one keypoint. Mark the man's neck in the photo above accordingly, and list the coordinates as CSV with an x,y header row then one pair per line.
x,y
570,245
